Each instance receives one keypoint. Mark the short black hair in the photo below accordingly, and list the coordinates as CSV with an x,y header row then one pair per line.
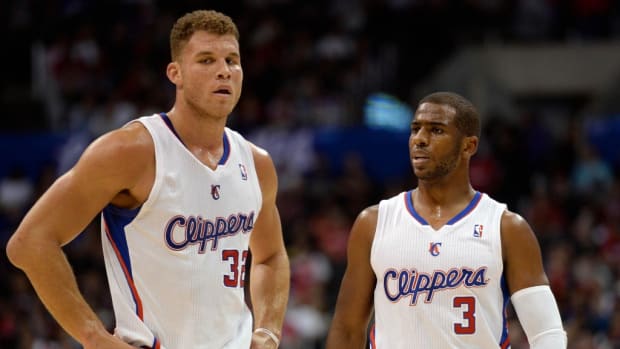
x,y
467,119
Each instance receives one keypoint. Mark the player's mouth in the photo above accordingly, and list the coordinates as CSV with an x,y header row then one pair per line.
x,y
420,158
224,91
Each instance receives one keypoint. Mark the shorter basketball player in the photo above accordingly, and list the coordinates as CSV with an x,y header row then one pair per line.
x,y
439,263
184,200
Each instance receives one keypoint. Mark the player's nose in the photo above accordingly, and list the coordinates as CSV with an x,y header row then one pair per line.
x,y
419,139
223,71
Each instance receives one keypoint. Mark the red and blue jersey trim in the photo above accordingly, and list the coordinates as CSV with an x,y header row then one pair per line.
x,y
504,342
156,345
371,337
114,221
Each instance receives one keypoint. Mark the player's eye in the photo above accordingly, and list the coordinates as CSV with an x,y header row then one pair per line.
x,y
232,61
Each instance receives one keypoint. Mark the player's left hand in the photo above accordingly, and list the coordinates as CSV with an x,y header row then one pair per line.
x,y
262,341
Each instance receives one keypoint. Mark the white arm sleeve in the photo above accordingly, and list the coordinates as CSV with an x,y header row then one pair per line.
x,y
540,318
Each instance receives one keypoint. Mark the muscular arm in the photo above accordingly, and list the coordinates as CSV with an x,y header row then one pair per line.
x,y
522,258
108,170
355,300
531,296
270,273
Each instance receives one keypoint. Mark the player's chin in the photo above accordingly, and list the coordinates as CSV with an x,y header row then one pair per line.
x,y
221,109
423,175
419,170
227,105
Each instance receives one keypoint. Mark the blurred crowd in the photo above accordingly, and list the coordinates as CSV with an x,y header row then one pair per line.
x,y
90,66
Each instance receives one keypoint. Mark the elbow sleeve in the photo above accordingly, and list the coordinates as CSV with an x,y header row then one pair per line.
x,y
540,318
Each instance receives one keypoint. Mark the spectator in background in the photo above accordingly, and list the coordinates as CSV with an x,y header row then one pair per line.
x,y
16,193
591,175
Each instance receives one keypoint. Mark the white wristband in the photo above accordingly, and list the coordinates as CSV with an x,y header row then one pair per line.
x,y
271,335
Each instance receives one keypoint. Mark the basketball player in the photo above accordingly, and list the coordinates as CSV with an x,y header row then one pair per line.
x,y
439,263
183,199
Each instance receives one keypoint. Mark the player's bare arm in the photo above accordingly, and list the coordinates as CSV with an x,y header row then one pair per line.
x,y
355,299
521,253
270,274
531,296
115,168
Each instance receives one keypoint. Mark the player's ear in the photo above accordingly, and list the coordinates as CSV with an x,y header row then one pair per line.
x,y
173,72
470,145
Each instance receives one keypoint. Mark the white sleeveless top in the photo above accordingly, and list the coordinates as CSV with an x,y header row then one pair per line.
x,y
439,289
176,264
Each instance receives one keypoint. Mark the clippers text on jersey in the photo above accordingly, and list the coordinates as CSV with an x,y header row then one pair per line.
x,y
197,230
407,282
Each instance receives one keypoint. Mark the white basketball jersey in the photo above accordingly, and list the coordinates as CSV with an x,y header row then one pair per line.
x,y
439,289
176,264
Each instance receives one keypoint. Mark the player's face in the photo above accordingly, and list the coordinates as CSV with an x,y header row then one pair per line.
x,y
435,142
211,74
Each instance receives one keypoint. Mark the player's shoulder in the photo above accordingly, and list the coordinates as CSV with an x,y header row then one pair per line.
x,y
512,219
370,212
132,136
367,218
257,151
261,156
262,160
364,227
130,144
514,226
117,160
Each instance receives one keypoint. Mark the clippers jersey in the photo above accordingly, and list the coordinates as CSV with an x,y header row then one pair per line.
x,y
439,289
176,264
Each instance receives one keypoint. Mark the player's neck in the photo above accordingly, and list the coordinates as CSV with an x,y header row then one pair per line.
x,y
438,204
198,130
433,194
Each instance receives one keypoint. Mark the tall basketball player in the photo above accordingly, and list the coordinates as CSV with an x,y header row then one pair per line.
x,y
183,199
439,263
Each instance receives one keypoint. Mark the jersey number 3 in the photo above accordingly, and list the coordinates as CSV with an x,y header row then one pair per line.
x,y
468,326
236,259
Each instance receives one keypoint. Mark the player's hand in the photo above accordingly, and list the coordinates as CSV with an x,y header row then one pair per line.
x,y
262,341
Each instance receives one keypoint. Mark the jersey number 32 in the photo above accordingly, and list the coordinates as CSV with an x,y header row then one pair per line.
x,y
236,260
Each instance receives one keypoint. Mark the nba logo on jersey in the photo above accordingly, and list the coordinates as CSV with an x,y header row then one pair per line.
x,y
478,230
244,173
